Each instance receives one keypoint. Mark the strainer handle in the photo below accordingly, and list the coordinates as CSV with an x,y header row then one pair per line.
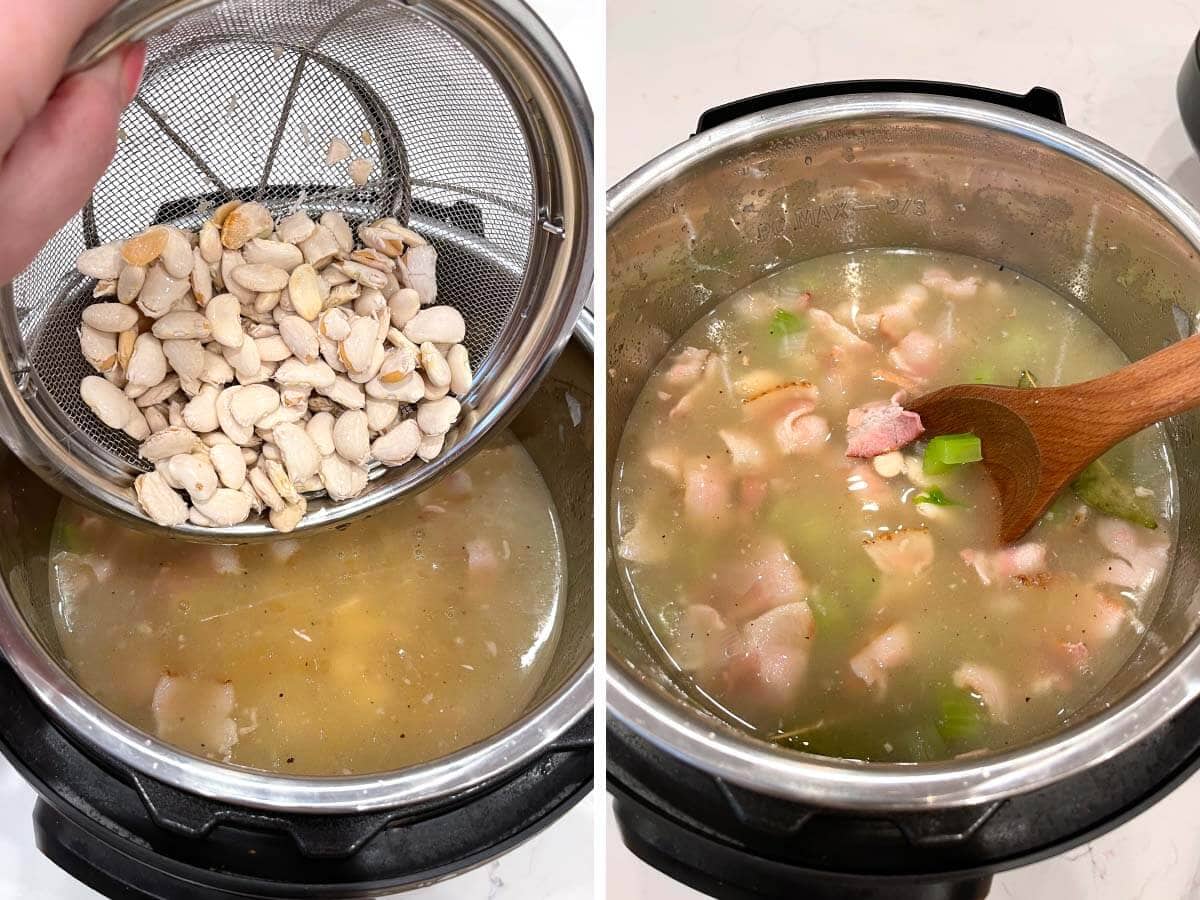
x,y
128,22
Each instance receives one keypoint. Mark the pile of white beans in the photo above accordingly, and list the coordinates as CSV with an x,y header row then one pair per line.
x,y
257,361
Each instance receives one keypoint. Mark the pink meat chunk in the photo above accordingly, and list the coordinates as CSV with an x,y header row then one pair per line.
x,y
917,355
775,655
879,428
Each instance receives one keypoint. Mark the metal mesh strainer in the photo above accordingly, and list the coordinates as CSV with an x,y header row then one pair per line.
x,y
481,140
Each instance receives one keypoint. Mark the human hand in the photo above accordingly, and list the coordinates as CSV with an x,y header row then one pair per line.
x,y
56,136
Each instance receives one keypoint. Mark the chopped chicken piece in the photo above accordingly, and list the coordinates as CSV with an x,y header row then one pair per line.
x,y
959,289
687,367
703,639
1139,556
917,354
196,714
744,450
837,333
760,579
798,432
668,460
987,684
908,551
1025,559
642,544
776,649
481,559
706,492
889,650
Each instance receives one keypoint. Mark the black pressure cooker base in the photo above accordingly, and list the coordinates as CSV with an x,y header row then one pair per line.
x,y
130,836
731,842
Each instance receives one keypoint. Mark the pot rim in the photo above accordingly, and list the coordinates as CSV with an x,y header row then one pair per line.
x,y
71,706
852,784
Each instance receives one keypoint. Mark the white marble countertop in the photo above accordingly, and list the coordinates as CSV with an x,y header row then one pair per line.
x,y
1114,64
555,865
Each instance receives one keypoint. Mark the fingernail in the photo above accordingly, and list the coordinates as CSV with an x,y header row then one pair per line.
x,y
132,69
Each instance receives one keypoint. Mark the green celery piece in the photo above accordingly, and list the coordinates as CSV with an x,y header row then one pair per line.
x,y
829,615
934,496
960,715
984,375
70,537
947,450
784,322
1100,489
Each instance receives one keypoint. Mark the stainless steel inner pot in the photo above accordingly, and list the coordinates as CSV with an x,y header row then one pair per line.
x,y
903,170
557,435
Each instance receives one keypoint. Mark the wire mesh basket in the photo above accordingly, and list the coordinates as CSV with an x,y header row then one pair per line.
x,y
479,138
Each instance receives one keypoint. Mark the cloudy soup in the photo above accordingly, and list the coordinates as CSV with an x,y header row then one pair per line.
x,y
824,574
391,641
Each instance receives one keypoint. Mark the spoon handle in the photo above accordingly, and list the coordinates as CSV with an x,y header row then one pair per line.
x,y
1136,396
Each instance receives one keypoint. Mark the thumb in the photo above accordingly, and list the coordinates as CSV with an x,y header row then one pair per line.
x,y
61,154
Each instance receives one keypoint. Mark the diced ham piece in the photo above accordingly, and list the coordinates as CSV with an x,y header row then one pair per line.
x,y
196,714
776,648
988,684
706,492
800,302
908,551
744,451
759,580
1028,558
917,355
751,494
879,428
797,432
1077,654
1139,557
888,651
703,640
687,366
837,333
957,288
642,543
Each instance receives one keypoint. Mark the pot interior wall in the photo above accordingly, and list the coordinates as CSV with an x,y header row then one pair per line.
x,y
900,181
561,448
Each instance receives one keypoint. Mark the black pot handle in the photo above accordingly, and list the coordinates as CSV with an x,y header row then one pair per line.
x,y
1188,92
1039,101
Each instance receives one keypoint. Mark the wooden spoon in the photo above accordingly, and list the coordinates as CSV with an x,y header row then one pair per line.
x,y
1037,440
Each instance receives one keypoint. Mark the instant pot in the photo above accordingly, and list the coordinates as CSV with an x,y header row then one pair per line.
x,y
135,818
803,173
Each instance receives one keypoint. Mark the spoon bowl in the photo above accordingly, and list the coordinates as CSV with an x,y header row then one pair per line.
x,y
1036,441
